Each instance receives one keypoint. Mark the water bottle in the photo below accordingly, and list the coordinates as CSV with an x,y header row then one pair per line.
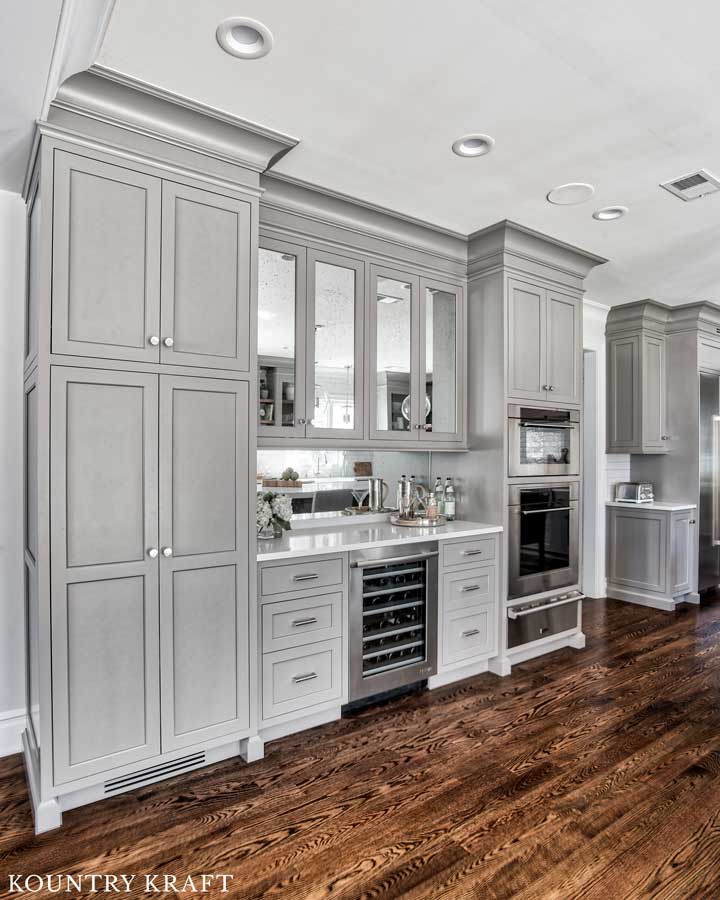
x,y
449,503
439,494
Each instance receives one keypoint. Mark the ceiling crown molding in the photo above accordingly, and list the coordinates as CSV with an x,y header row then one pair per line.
x,y
118,100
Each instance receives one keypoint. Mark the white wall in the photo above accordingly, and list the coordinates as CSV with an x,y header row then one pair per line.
x,y
595,488
12,269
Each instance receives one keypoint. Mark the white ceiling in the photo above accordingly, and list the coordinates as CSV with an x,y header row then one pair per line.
x,y
620,94
28,30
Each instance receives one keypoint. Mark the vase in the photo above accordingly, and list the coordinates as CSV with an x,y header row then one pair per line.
x,y
270,532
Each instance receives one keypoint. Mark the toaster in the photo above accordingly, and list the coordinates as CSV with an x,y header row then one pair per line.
x,y
634,492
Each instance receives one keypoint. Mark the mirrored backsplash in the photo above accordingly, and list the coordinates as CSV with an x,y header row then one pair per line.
x,y
309,464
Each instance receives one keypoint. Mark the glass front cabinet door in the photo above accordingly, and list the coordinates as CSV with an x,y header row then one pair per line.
x,y
281,340
416,359
334,386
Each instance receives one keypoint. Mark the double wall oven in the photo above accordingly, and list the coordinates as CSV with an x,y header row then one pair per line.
x,y
543,442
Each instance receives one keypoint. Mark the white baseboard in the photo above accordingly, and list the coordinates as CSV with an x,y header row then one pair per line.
x,y
12,725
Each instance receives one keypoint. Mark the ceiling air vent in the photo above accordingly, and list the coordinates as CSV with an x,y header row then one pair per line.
x,y
693,186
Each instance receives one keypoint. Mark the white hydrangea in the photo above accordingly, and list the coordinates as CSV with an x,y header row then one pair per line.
x,y
282,507
264,513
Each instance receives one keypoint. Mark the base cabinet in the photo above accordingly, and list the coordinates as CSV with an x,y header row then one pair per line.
x,y
651,555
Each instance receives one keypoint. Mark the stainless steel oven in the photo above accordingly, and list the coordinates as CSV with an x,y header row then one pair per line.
x,y
543,441
543,537
393,618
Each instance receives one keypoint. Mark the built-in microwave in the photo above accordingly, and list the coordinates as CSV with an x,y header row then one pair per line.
x,y
543,441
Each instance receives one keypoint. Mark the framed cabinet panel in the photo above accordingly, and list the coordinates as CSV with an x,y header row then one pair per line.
x,y
394,356
205,304
564,348
106,260
105,631
636,396
526,341
441,367
204,502
335,364
282,341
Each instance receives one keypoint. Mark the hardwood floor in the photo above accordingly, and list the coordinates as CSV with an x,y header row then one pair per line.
x,y
592,774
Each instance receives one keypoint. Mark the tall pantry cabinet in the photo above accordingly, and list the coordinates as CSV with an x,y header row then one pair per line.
x,y
140,387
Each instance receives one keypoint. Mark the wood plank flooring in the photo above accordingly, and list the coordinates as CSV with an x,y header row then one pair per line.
x,y
591,774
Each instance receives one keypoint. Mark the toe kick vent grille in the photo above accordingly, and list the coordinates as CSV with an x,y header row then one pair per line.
x,y
693,185
154,773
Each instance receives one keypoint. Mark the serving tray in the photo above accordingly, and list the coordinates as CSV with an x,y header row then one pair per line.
x,y
418,523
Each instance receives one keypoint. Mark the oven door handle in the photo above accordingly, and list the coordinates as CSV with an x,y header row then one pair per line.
x,y
547,425
535,512
391,560
514,614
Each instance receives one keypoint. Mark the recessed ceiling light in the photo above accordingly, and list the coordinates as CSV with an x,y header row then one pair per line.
x,y
243,37
607,213
473,145
570,194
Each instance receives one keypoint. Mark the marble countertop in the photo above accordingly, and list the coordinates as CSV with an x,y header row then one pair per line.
x,y
656,504
342,538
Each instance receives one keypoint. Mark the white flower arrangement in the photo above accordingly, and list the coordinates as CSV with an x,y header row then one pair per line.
x,y
273,511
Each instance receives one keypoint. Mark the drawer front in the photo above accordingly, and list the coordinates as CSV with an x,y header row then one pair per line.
x,y
469,633
301,677
312,573
305,620
464,553
470,588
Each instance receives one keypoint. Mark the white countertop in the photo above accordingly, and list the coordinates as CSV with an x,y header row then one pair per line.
x,y
341,538
657,504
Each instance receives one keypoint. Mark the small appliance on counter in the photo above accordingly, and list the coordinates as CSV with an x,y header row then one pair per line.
x,y
634,492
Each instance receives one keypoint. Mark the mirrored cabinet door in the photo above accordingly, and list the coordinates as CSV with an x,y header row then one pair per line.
x,y
441,324
281,340
394,355
334,391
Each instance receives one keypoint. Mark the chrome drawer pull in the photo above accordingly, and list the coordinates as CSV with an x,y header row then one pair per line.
x,y
311,620
469,587
549,509
305,577
298,679
391,560
519,614
472,552
471,633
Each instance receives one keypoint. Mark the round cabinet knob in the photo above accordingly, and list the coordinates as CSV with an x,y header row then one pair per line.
x,y
168,342
546,387
551,387
152,553
153,340
664,437
167,551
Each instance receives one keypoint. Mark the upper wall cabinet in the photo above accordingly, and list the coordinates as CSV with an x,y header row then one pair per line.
x,y
310,343
148,270
636,418
415,359
544,344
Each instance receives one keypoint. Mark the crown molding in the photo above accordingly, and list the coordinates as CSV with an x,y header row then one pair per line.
x,y
113,99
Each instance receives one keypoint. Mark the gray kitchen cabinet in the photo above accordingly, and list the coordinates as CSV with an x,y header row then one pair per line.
x,y
106,260
149,270
205,297
544,344
651,554
637,387
415,359
203,559
105,625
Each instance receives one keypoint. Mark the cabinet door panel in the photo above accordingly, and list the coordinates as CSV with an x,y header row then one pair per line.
x,y
394,360
527,341
638,549
623,413
682,552
31,471
104,584
653,393
205,279
204,519
442,335
106,260
335,364
564,348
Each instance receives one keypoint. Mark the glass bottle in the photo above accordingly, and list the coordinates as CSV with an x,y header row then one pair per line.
x,y
449,502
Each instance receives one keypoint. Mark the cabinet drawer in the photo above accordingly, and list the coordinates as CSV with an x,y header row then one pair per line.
x,y
312,573
305,620
301,677
469,633
463,553
469,588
